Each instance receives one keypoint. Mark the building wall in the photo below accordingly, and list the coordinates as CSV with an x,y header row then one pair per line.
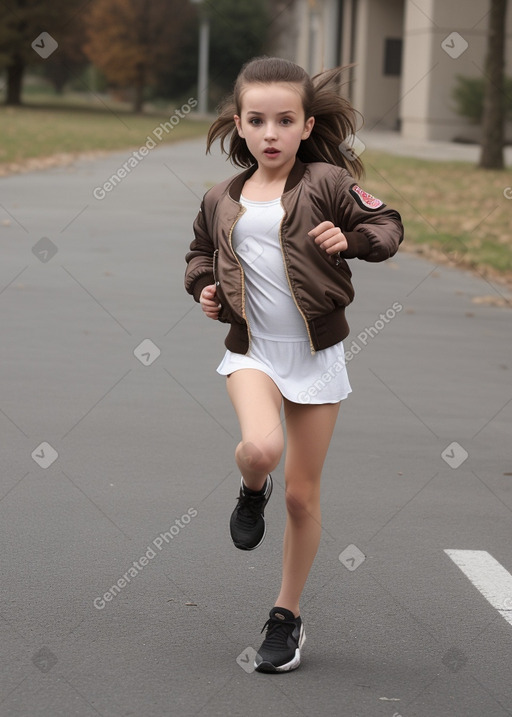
x,y
375,94
318,34
317,38
441,41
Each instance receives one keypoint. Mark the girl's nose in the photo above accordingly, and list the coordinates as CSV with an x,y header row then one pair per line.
x,y
270,131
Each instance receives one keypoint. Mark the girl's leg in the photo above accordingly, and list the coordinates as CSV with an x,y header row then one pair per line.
x,y
257,402
309,431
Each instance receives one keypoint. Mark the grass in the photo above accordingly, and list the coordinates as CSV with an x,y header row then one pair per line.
x,y
452,211
41,130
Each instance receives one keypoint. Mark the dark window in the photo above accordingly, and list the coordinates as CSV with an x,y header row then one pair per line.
x,y
393,56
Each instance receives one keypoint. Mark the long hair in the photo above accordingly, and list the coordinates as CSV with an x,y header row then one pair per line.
x,y
335,118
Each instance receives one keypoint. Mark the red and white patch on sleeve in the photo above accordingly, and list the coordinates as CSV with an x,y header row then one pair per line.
x,y
365,200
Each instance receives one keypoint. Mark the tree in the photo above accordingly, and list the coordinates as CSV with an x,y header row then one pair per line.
x,y
130,40
239,31
179,78
21,22
70,60
493,123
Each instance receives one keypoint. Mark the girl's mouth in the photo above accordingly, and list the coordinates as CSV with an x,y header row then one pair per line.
x,y
271,151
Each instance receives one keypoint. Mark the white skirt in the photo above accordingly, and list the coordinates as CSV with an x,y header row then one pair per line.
x,y
301,377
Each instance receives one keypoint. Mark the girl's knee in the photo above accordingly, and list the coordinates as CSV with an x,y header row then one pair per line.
x,y
302,498
259,455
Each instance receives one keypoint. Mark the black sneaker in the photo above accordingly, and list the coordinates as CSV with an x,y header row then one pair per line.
x,y
247,524
280,650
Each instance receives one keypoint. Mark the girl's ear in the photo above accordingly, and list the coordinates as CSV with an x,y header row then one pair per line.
x,y
238,125
308,127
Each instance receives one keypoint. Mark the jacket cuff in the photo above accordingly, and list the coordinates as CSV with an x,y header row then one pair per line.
x,y
358,245
199,285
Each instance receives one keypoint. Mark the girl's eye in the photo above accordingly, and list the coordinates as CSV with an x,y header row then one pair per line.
x,y
255,121
286,121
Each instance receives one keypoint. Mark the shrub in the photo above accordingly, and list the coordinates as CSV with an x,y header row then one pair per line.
x,y
468,94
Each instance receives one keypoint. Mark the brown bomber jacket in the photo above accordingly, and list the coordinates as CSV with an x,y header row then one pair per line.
x,y
320,283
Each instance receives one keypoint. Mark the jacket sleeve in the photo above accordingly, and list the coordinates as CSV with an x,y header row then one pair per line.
x,y
373,231
199,271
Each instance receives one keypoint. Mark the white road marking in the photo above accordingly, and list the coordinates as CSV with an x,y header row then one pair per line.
x,y
488,576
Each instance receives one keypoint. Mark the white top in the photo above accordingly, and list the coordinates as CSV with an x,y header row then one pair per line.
x,y
270,308
279,341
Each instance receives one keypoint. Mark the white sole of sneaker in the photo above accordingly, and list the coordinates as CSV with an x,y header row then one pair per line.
x,y
292,665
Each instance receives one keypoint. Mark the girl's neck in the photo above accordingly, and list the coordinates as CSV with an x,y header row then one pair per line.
x,y
263,185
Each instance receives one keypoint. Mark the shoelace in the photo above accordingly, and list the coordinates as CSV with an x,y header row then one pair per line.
x,y
249,507
278,632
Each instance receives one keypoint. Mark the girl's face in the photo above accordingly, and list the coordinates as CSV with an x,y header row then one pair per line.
x,y
272,122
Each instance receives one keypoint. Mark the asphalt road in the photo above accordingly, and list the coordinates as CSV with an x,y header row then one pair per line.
x,y
121,593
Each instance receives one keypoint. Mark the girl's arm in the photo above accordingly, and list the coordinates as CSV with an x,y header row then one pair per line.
x,y
372,230
199,271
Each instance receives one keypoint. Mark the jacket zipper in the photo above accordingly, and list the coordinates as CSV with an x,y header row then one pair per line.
x,y
311,346
215,257
242,211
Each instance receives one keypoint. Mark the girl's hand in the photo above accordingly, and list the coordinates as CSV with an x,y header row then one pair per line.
x,y
330,238
209,303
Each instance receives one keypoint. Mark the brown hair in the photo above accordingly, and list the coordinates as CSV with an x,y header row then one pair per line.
x,y
335,118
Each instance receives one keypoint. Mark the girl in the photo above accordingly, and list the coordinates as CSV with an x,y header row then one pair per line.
x,y
269,258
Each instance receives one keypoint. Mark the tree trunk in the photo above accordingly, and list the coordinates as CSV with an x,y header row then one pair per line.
x,y
138,100
15,71
140,85
493,123
58,76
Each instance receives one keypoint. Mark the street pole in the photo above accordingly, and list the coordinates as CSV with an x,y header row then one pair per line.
x,y
204,49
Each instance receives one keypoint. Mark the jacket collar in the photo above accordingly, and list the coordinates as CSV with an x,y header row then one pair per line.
x,y
236,186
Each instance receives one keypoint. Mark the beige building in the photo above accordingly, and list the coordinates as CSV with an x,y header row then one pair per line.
x,y
407,55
